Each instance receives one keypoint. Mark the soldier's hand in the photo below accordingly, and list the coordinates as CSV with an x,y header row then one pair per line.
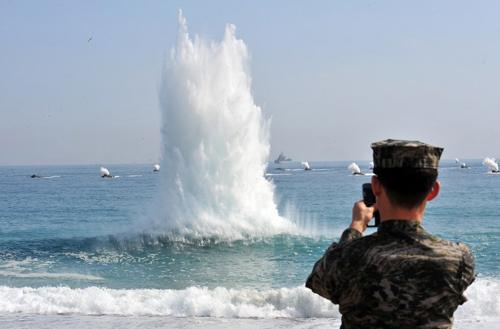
x,y
361,215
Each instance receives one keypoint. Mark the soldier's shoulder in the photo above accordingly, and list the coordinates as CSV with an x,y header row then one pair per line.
x,y
466,251
439,240
448,245
364,242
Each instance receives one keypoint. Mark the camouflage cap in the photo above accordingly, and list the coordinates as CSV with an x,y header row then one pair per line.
x,y
391,153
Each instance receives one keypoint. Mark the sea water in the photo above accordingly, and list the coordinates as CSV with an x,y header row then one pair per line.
x,y
217,238
69,250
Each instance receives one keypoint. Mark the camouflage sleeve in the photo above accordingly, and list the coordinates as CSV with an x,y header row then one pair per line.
x,y
350,234
324,279
468,267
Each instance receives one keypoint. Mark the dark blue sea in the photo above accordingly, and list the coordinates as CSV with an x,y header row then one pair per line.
x,y
74,251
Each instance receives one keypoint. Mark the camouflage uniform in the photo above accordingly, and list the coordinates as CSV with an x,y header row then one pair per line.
x,y
401,276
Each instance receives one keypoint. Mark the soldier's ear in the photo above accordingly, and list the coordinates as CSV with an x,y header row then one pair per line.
x,y
435,191
376,186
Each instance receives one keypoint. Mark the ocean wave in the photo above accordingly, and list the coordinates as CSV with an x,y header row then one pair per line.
x,y
18,269
194,301
73,276
299,302
483,300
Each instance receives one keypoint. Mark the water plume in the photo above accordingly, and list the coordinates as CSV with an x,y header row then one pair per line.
x,y
215,144
354,168
490,163
104,172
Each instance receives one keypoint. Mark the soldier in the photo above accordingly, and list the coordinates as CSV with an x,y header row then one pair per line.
x,y
401,276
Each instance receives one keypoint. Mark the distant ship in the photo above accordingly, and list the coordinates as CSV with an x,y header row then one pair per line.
x,y
282,158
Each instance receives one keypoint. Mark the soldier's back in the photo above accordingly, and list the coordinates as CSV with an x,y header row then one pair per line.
x,y
402,277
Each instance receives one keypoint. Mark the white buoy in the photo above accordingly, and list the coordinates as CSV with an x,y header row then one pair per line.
x,y
156,167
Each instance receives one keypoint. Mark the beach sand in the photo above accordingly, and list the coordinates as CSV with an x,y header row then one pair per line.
x,y
108,322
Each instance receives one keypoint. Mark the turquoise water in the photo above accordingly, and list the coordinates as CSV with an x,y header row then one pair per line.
x,y
69,238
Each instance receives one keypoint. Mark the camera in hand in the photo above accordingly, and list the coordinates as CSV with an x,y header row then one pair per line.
x,y
369,200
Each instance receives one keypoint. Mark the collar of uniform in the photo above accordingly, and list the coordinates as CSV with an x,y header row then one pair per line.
x,y
397,225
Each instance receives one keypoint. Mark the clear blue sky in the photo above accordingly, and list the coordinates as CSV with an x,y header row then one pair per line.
x,y
333,75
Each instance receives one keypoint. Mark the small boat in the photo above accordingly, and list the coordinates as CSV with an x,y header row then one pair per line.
x,y
105,173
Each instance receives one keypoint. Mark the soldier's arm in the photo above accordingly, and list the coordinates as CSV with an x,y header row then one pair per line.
x,y
350,234
323,279
361,216
468,266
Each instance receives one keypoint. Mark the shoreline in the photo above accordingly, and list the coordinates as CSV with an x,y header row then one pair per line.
x,y
105,321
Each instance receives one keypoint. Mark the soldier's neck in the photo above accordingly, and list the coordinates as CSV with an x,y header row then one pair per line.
x,y
388,212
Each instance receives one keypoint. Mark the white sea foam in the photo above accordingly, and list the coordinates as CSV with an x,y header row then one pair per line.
x,y
219,302
483,301
300,302
74,276
278,174
215,145
34,268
